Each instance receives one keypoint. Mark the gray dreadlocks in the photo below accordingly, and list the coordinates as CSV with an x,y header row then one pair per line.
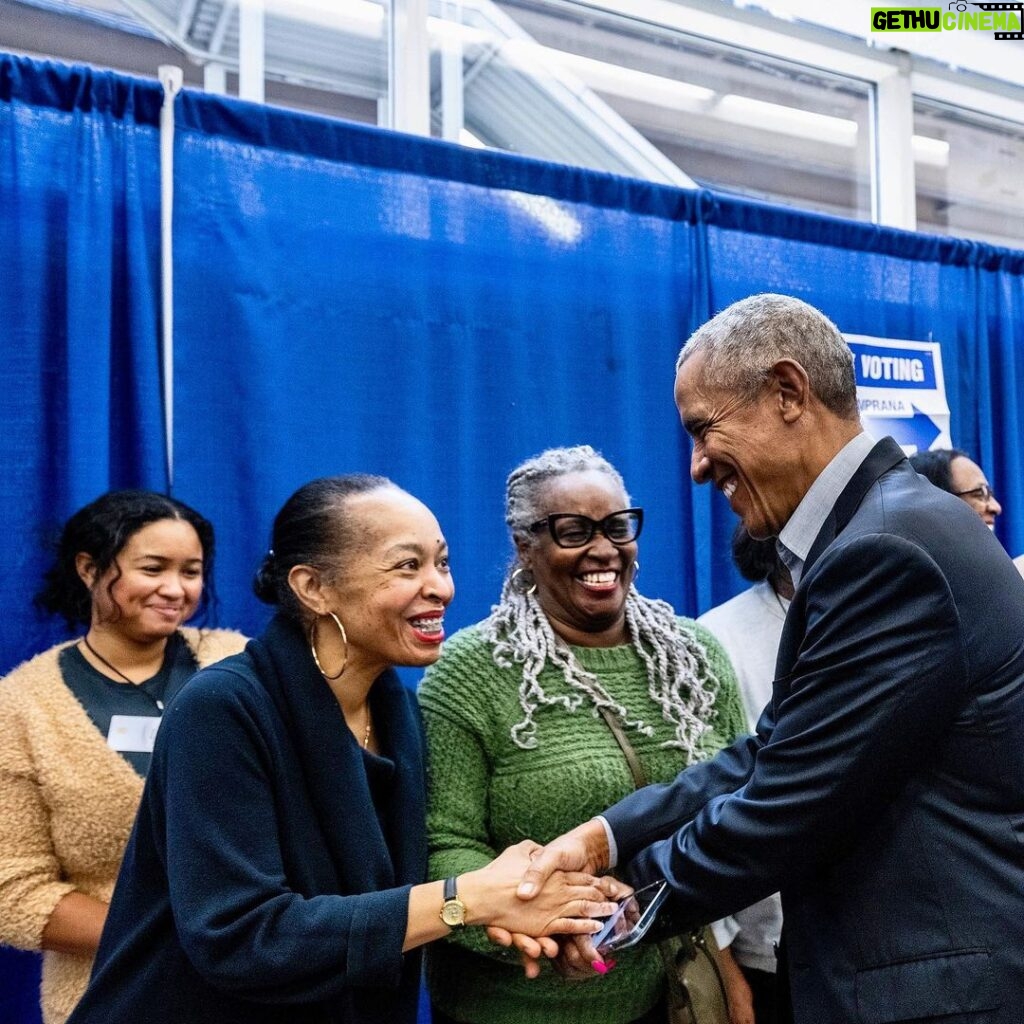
x,y
679,677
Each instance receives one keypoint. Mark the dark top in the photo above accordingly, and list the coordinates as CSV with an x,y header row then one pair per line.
x,y
884,790
260,884
102,697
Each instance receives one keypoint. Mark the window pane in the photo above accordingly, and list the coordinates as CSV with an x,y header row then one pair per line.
x,y
494,84
969,173
611,93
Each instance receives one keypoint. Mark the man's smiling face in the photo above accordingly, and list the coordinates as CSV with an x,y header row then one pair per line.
x,y
739,445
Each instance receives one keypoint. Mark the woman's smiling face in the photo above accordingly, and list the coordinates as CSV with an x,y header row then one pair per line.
x,y
154,584
582,590
395,584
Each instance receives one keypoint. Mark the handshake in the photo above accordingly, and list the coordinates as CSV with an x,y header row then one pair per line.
x,y
547,901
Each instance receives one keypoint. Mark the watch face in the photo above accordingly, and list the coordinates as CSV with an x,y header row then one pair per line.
x,y
453,913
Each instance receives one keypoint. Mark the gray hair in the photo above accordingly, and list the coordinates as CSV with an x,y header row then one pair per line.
x,y
746,339
525,483
680,680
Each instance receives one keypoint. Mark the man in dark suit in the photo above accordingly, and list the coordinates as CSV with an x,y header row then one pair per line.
x,y
883,792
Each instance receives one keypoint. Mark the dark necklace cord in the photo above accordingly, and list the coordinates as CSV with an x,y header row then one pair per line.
x,y
113,668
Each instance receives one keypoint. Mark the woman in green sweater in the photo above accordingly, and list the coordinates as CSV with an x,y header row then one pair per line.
x,y
517,748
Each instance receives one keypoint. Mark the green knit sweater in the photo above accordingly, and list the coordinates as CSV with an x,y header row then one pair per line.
x,y
485,793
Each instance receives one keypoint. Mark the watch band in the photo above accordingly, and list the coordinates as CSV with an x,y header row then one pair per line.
x,y
453,910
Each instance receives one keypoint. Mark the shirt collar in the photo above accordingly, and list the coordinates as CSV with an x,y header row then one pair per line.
x,y
804,525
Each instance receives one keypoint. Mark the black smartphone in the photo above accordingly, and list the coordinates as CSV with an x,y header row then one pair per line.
x,y
631,920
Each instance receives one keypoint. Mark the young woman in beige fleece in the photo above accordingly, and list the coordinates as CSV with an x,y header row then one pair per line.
x,y
76,721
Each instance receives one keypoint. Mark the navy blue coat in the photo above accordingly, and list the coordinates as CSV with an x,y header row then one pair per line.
x,y
260,884
884,790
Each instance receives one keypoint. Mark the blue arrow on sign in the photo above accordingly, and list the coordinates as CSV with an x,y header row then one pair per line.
x,y
918,430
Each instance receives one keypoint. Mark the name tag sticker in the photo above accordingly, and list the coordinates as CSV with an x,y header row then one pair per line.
x,y
132,733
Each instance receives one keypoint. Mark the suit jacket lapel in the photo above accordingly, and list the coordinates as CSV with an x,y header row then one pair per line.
x,y
883,457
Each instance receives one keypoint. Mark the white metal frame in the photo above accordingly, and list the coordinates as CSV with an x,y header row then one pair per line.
x,y
171,78
452,78
251,50
893,191
408,67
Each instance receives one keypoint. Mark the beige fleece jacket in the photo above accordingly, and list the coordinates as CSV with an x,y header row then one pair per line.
x,y
67,805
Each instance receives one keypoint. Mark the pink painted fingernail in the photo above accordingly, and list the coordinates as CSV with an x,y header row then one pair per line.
x,y
601,968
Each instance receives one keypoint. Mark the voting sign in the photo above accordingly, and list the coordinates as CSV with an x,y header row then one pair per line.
x,y
901,391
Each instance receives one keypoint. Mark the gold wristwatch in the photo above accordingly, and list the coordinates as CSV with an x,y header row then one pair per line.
x,y
453,910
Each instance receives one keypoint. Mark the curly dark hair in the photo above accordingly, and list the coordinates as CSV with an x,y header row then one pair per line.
x,y
101,529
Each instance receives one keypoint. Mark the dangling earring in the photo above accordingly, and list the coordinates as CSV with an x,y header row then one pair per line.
x,y
521,586
636,567
312,646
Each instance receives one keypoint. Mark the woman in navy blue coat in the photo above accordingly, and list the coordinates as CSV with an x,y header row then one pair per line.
x,y
276,870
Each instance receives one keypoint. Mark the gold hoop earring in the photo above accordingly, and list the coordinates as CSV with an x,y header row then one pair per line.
x,y
532,589
312,646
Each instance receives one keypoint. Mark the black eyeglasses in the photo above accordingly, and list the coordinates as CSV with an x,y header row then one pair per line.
x,y
983,494
572,531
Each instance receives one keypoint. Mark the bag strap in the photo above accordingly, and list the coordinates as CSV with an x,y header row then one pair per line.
x,y
692,944
639,779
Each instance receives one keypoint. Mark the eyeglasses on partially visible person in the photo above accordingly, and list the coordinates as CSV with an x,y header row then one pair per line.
x,y
983,494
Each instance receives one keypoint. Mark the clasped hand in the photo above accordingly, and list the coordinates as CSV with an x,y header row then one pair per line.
x,y
556,892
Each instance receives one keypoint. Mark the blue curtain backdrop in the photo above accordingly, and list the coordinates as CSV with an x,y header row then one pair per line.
x,y
79,221
79,217
348,298
437,314
438,331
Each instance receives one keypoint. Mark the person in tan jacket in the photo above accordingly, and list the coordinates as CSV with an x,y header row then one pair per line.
x,y
77,721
